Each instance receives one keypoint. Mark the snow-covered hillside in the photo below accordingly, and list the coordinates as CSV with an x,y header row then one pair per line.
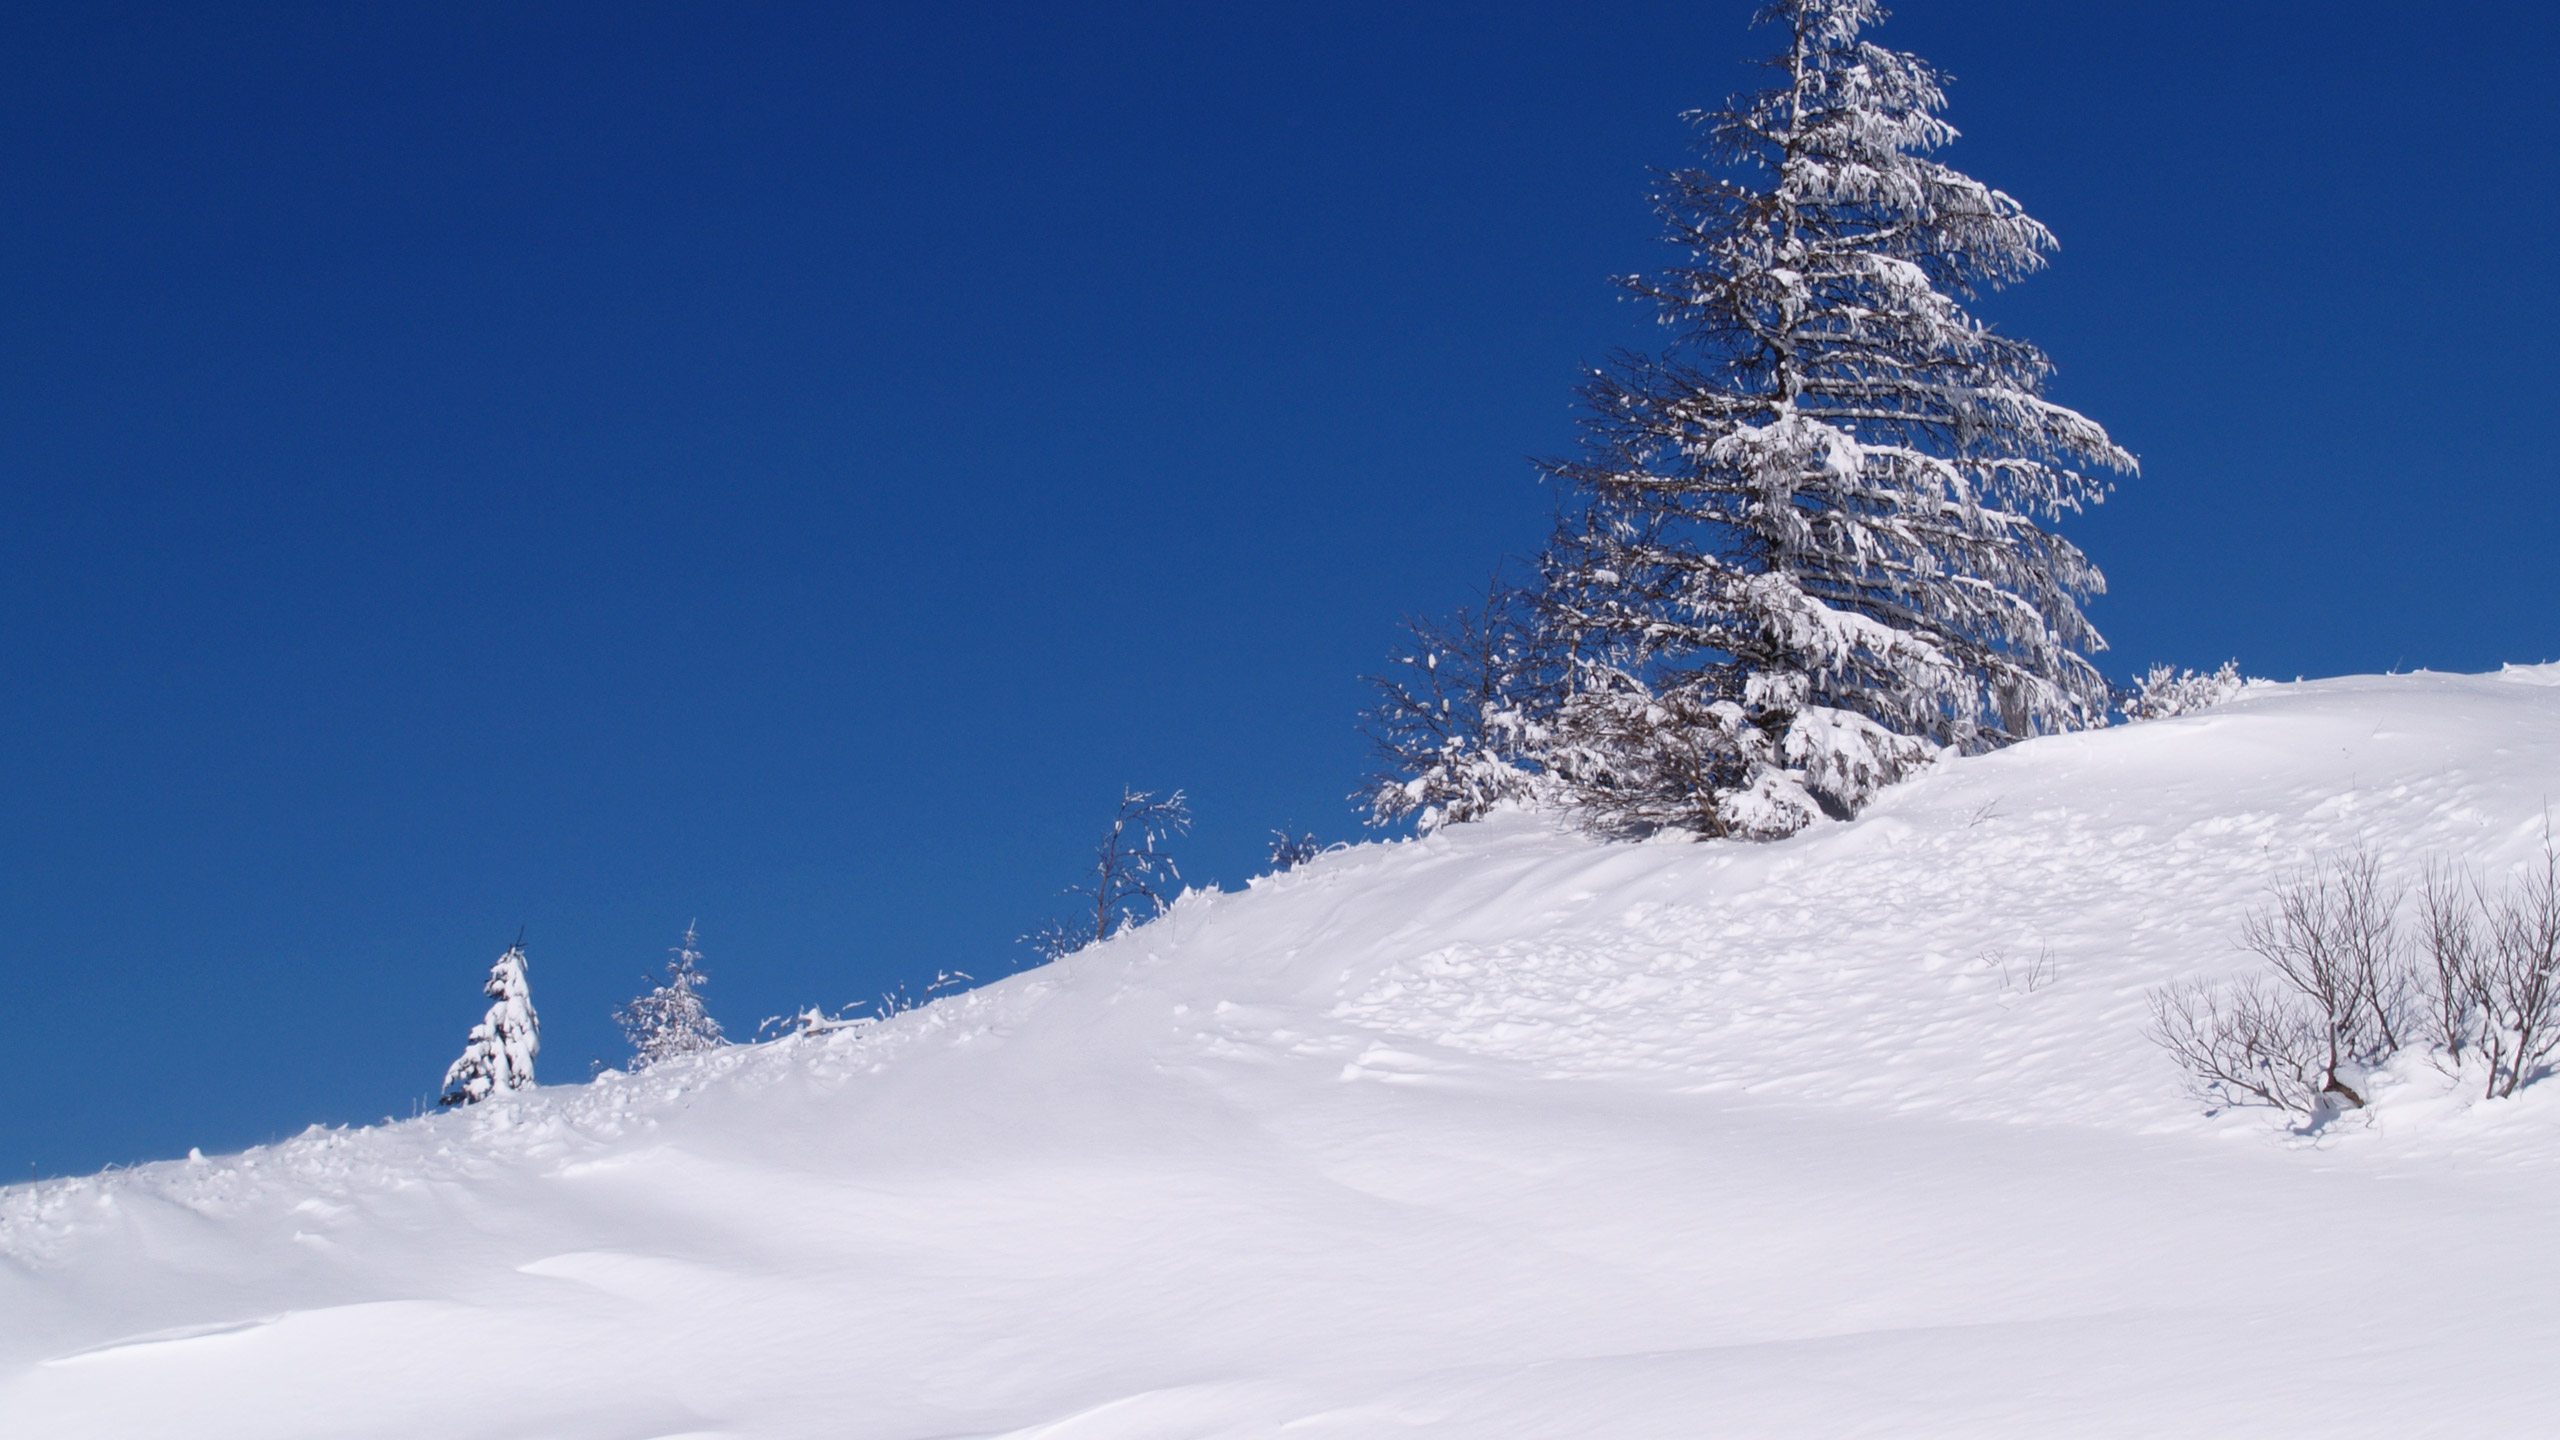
x,y
1498,1133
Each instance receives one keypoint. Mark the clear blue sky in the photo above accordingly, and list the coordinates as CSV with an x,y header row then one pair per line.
x,y
591,467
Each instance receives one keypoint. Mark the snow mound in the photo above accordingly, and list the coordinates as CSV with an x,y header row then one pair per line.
x,y
1497,1133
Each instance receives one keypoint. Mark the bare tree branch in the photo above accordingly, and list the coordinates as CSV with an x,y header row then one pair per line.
x,y
1130,878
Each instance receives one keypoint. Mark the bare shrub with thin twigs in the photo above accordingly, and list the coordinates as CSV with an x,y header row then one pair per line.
x,y
2332,940
2458,959
1289,851
2344,990
2494,977
2337,1003
2252,1043
1131,880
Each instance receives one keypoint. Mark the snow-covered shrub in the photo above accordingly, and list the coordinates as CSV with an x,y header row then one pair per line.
x,y
813,1020
2168,691
816,1020
1130,878
1459,722
1288,851
670,1020
498,1057
898,1001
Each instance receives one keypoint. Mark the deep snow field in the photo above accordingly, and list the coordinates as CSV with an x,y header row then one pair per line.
x,y
1499,1133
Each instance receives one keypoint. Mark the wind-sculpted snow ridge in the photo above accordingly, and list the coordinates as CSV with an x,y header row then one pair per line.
x,y
558,1126
1498,1133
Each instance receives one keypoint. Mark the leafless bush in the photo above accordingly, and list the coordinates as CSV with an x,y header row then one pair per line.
x,y
2027,976
2494,977
2339,999
1129,879
2344,991
2332,939
2253,1043
1289,851
2458,967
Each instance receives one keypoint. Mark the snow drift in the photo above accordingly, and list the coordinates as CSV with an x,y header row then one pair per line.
x,y
1498,1133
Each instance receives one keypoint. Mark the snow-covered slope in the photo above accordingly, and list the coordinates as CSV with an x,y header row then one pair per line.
x,y
1499,1133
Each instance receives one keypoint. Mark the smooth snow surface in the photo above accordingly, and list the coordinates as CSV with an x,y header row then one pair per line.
x,y
1501,1133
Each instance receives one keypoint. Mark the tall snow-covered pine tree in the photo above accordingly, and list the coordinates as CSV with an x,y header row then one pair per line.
x,y
670,1020
499,1055
1807,545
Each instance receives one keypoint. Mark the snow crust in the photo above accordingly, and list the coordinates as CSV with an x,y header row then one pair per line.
x,y
1498,1133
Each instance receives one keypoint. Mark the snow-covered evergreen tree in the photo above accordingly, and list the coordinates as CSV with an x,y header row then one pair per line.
x,y
670,1020
1806,549
499,1055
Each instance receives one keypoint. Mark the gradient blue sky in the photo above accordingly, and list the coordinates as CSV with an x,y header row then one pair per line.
x,y
591,467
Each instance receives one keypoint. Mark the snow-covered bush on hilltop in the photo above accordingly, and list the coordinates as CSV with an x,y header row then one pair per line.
x,y
1459,722
1803,552
1289,850
498,1057
670,1020
1131,878
2345,989
811,1021
2167,690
